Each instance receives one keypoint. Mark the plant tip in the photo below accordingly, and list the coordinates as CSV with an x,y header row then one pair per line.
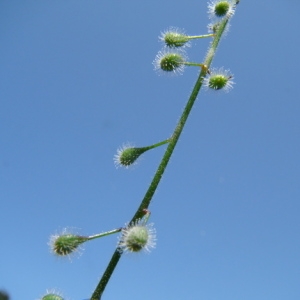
x,y
220,9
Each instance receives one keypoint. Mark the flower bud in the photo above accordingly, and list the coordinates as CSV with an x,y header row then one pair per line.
x,y
138,237
127,155
52,295
219,79
66,243
174,38
172,62
221,8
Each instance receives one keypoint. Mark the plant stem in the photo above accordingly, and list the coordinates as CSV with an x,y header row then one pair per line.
x,y
157,145
191,37
164,162
178,129
95,236
192,64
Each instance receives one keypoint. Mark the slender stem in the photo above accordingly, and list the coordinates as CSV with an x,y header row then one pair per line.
x,y
192,64
178,129
191,37
164,162
158,144
106,275
95,236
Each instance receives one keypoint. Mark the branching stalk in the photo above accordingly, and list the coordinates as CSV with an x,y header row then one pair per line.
x,y
164,162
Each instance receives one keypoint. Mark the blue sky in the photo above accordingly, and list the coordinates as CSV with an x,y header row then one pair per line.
x,y
77,81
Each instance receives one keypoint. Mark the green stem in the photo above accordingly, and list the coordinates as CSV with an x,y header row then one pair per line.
x,y
191,37
192,64
92,237
164,162
157,145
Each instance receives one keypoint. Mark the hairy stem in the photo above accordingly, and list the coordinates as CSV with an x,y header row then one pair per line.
x,y
164,162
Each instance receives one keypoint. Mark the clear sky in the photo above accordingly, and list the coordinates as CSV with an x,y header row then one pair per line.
x,y
77,81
